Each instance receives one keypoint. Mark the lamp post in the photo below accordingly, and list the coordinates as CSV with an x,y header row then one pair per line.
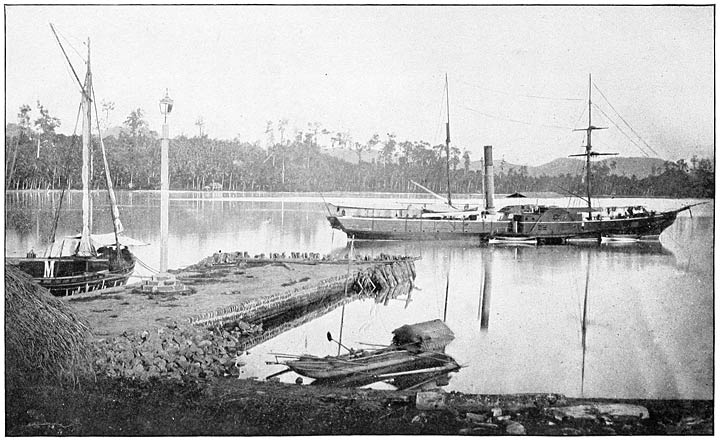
x,y
166,105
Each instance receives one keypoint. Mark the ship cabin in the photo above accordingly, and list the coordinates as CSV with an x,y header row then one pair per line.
x,y
537,213
623,212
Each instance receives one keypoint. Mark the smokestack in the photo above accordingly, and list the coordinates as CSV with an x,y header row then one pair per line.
x,y
489,181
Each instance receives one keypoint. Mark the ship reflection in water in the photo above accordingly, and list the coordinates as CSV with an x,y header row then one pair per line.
x,y
588,319
516,312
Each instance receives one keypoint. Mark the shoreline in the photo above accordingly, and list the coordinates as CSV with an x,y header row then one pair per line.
x,y
247,407
160,378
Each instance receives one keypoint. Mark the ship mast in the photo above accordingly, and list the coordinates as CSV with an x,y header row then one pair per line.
x,y
588,147
447,141
85,248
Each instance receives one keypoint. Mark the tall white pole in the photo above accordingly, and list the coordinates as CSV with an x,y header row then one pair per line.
x,y
164,197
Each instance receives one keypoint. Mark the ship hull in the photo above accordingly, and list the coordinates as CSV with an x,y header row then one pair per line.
x,y
67,276
368,228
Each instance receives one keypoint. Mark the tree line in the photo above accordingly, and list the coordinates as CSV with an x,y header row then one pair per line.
x,y
39,158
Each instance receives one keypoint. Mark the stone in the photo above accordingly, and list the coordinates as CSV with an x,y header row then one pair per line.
x,y
598,410
182,362
476,418
485,426
570,431
617,410
515,428
429,400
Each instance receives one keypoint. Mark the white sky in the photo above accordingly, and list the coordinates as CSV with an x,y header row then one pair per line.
x,y
380,69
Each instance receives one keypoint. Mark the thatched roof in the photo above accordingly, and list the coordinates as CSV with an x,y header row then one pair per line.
x,y
45,339
429,335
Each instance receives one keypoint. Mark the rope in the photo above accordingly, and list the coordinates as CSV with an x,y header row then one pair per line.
x,y
515,120
623,119
138,260
621,131
440,117
522,95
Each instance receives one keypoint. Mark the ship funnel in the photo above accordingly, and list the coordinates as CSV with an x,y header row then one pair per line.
x,y
489,181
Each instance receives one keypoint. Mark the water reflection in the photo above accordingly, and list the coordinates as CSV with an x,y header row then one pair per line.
x,y
486,292
584,326
517,313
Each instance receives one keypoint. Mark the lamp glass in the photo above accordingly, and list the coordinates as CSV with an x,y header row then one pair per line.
x,y
166,105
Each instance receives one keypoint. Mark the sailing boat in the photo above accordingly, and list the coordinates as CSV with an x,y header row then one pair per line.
x,y
85,262
413,221
556,225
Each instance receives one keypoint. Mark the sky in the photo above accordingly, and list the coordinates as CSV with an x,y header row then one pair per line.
x,y
518,76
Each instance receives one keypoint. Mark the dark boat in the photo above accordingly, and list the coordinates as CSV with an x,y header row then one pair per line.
x,y
415,356
86,262
514,224
556,225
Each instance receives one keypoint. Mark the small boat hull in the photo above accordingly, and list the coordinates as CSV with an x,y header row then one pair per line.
x,y
417,352
362,362
66,276
513,241
619,238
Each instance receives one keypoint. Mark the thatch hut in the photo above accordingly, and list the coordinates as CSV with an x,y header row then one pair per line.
x,y
45,339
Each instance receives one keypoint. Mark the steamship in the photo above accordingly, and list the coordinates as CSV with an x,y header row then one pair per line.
x,y
516,223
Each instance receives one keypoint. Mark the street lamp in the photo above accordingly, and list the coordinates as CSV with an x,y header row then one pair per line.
x,y
164,282
166,105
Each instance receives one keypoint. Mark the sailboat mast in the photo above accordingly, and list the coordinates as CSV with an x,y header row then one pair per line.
x,y
447,141
588,148
85,248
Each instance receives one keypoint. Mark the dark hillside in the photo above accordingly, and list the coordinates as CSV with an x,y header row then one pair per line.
x,y
640,167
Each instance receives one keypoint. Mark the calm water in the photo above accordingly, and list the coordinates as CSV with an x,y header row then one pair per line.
x,y
516,311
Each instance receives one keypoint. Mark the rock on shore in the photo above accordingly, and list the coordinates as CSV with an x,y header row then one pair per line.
x,y
173,351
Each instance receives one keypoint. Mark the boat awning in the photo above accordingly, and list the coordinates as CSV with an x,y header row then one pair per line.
x,y
429,335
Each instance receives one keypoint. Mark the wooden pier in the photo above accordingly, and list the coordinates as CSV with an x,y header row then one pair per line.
x,y
241,290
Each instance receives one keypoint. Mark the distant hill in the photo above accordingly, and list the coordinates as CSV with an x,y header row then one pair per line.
x,y
641,167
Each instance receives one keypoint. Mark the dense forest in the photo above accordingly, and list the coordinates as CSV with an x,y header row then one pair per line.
x,y
39,158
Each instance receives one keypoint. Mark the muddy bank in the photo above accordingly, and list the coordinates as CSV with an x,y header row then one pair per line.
x,y
242,407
